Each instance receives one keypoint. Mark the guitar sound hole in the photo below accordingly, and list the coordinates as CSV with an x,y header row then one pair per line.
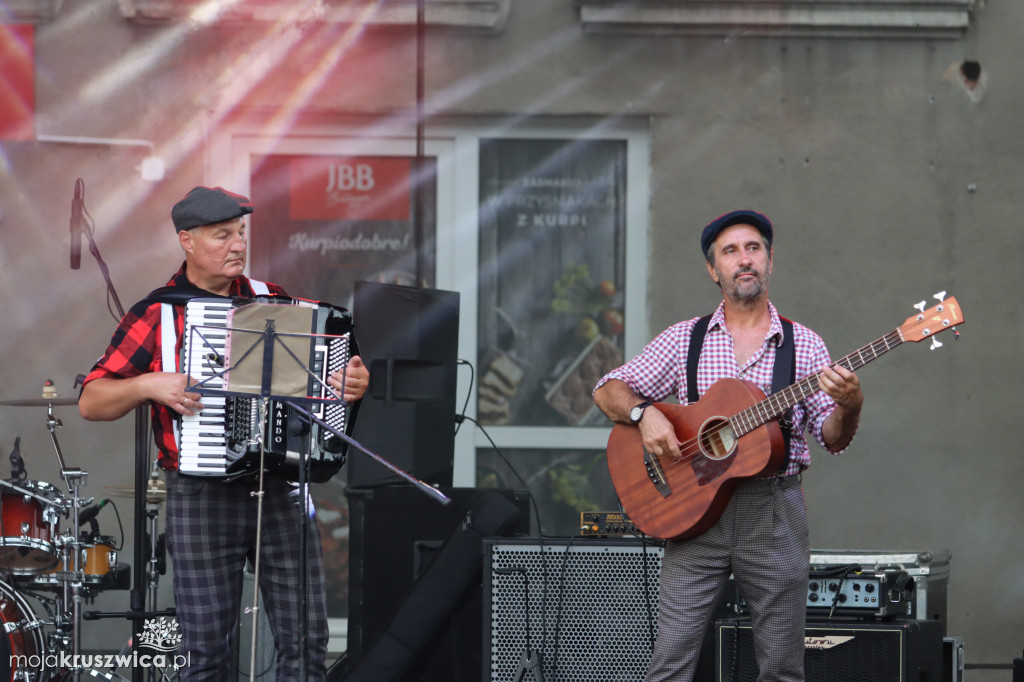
x,y
717,440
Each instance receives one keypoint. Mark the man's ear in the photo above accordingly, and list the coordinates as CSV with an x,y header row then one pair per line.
x,y
711,272
185,239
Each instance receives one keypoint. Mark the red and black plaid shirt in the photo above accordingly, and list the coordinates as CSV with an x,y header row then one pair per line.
x,y
136,348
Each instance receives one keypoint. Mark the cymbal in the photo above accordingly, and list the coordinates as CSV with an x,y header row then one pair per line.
x,y
49,397
156,491
39,402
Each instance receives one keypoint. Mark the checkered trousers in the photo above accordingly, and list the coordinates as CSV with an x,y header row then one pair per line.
x,y
211,532
762,539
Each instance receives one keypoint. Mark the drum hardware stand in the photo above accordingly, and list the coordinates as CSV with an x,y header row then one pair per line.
x,y
156,493
153,492
137,612
74,478
66,611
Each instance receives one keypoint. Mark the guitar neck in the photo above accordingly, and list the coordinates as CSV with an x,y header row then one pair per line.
x,y
775,405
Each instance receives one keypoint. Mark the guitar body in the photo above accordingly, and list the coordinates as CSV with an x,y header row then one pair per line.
x,y
680,499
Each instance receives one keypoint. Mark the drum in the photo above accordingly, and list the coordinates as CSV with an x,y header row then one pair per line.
x,y
99,559
28,528
21,641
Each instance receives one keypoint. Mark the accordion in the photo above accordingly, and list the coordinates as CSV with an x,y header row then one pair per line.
x,y
255,409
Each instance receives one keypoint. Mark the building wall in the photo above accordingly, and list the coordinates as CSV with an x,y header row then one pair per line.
x,y
888,181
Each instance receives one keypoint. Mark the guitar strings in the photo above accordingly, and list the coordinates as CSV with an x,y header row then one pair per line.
x,y
690,450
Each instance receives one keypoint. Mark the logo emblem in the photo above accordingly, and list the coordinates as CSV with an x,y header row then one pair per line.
x,y
826,642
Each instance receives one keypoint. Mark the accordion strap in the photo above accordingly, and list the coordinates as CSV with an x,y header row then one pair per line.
x,y
168,297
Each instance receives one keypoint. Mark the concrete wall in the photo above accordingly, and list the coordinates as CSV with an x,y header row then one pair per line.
x,y
887,179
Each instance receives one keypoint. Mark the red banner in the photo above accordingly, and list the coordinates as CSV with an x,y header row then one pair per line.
x,y
17,82
350,188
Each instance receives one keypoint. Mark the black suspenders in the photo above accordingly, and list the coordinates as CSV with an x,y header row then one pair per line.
x,y
783,374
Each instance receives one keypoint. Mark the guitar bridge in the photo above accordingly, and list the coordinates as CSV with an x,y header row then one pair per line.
x,y
656,473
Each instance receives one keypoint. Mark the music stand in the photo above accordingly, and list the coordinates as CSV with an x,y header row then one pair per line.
x,y
254,333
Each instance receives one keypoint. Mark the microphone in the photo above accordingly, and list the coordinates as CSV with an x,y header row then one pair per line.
x,y
89,513
17,462
76,225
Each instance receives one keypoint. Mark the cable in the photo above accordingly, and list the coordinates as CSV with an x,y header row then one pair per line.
x,y
89,230
472,380
540,532
511,468
558,612
120,526
645,541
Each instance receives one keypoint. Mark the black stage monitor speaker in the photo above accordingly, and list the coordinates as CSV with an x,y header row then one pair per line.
x,y
415,573
890,651
587,608
409,339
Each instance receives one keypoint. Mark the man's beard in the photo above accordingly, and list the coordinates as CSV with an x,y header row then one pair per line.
x,y
747,291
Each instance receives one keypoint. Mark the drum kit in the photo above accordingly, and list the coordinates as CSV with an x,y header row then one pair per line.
x,y
45,556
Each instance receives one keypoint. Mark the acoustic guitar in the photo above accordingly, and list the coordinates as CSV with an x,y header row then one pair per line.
x,y
731,433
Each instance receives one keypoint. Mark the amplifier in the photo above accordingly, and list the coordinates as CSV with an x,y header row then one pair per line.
x,y
880,594
586,608
897,651
925,594
605,524
847,593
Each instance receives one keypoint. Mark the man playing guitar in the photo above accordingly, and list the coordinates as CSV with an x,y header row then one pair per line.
x,y
760,533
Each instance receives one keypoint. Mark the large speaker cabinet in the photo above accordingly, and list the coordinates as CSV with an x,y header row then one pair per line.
x,y
587,607
880,651
397,535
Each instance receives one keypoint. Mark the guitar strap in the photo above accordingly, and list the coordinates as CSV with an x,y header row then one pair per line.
x,y
693,357
783,374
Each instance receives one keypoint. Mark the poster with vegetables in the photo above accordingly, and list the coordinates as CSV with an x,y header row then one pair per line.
x,y
552,262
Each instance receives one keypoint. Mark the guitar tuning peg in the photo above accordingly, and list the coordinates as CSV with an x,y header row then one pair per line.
x,y
935,344
920,306
941,296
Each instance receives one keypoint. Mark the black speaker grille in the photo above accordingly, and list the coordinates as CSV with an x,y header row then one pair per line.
x,y
856,652
592,609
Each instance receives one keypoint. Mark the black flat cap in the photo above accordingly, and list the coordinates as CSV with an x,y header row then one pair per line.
x,y
207,206
744,217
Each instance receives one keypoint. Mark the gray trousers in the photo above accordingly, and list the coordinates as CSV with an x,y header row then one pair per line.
x,y
211,533
762,539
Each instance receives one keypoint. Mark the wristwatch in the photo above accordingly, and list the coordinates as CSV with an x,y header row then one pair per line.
x,y
637,412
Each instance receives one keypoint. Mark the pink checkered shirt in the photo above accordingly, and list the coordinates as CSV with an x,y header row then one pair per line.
x,y
660,371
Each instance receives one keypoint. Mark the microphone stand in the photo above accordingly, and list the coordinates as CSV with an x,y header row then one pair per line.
x,y
136,613
428,490
431,492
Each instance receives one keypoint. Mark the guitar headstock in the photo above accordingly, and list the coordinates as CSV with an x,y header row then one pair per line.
x,y
945,315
